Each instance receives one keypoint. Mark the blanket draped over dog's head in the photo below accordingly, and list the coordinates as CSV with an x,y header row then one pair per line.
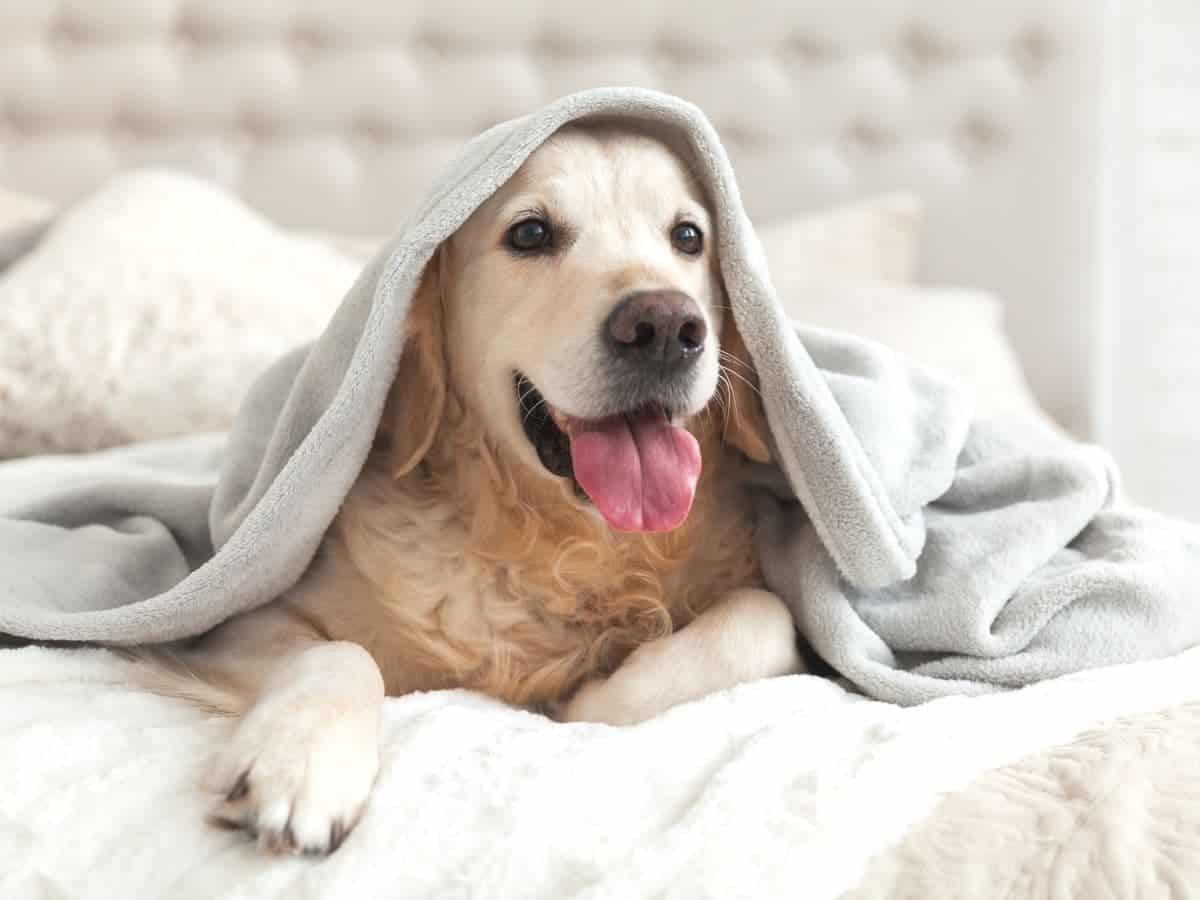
x,y
926,555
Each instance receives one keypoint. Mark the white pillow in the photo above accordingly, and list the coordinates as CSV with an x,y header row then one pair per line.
x,y
146,311
874,238
957,331
22,221
148,308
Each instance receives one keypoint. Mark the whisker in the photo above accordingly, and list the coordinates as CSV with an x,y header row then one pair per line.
x,y
728,400
725,394
531,411
746,381
529,388
721,397
737,366
728,357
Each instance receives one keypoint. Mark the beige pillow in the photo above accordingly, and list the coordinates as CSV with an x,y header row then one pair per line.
x,y
147,310
957,331
23,219
878,237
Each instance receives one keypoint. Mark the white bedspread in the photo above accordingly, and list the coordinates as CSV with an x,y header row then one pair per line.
x,y
780,788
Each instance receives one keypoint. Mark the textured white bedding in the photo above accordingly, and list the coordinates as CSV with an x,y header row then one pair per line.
x,y
780,788
1110,815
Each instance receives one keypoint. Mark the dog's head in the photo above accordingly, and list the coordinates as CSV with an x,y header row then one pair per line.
x,y
580,314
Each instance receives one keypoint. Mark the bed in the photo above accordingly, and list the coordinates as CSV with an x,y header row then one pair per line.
x,y
329,120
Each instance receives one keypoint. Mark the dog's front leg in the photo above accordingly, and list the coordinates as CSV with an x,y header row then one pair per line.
x,y
747,636
300,765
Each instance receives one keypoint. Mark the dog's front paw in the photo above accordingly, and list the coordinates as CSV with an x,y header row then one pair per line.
x,y
607,701
296,774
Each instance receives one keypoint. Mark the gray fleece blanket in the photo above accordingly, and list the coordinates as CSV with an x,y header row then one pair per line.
x,y
922,553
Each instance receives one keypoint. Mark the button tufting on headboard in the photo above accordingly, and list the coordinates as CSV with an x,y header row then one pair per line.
x,y
924,50
811,48
305,40
868,137
1033,50
981,135
336,113
65,33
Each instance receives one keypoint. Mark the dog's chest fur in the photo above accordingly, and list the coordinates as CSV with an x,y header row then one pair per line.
x,y
464,574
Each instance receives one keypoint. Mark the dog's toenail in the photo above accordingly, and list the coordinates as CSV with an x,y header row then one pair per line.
x,y
224,822
240,788
337,834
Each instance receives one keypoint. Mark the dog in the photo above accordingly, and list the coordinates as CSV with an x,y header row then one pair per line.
x,y
551,512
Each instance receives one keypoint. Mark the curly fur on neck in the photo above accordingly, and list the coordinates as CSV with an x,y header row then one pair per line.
x,y
557,595
458,566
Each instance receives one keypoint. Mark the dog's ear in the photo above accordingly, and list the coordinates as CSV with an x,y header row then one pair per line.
x,y
745,425
418,397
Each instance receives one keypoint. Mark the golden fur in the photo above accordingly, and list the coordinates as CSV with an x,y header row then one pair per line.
x,y
469,571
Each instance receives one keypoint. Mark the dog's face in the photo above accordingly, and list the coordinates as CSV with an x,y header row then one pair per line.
x,y
582,307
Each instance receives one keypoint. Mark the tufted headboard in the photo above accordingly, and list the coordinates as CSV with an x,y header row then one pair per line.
x,y
336,113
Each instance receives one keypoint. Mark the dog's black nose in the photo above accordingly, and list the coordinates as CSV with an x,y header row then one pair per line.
x,y
657,327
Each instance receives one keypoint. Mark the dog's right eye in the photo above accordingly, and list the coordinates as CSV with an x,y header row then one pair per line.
x,y
529,235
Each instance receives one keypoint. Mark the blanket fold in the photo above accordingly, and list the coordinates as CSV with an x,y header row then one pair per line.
x,y
923,553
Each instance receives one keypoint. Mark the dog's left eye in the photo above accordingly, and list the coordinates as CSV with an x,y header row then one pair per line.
x,y
529,235
687,238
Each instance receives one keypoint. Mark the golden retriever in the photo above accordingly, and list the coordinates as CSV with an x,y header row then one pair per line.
x,y
552,497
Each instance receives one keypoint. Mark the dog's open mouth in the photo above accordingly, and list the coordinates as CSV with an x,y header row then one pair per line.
x,y
637,467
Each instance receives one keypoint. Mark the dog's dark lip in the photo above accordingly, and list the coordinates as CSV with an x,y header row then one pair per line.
x,y
551,443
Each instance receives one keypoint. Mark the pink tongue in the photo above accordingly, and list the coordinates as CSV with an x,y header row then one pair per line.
x,y
640,470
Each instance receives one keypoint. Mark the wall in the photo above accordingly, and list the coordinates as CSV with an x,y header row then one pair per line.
x,y
1155,419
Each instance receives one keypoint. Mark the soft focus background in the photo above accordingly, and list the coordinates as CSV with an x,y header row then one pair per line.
x,y
1155,422
1054,146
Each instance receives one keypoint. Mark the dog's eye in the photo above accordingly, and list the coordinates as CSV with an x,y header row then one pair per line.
x,y
687,238
529,235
